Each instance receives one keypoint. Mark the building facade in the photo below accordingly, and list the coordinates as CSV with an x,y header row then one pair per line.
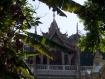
x,y
65,66
62,58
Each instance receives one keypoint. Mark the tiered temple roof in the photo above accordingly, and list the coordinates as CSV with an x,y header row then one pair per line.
x,y
55,35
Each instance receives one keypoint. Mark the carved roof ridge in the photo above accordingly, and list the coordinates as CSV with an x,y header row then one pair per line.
x,y
44,34
65,41
51,34
74,49
58,33
60,36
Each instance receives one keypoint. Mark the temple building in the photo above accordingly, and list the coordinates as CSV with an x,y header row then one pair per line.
x,y
67,66
62,58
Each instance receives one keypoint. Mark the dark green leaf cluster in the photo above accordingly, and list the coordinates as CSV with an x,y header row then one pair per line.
x,y
95,35
15,17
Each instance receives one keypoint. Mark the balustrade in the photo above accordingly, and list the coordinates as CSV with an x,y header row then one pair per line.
x,y
54,67
86,68
66,70
70,68
61,67
41,67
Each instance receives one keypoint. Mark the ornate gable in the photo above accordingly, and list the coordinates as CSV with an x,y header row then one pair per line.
x,y
55,35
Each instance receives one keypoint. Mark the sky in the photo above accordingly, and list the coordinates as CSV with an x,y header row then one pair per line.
x,y
66,24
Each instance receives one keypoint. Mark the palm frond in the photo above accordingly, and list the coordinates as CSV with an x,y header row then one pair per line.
x,y
37,45
70,6
20,64
27,54
48,43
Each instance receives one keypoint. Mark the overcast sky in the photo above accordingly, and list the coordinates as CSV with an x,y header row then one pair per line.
x,y
66,24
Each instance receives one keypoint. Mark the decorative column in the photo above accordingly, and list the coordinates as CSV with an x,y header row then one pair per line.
x,y
48,61
63,58
34,57
78,56
41,59
69,59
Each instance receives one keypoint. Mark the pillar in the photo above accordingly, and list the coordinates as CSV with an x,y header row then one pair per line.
x,y
41,59
69,59
63,58
48,61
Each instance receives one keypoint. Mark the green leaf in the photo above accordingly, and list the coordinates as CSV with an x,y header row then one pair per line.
x,y
26,72
27,54
48,43
37,18
70,6
25,66
61,13
38,22
37,45
19,62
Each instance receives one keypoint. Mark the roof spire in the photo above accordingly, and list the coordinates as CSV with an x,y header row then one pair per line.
x,y
77,28
53,15
77,33
78,56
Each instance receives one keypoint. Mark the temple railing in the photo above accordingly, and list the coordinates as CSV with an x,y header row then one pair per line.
x,y
60,67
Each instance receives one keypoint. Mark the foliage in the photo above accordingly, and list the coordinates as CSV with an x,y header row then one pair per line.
x,y
48,43
37,45
15,17
95,37
91,14
102,2
70,6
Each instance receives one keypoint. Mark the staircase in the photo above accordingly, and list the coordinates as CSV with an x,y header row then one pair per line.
x,y
97,73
